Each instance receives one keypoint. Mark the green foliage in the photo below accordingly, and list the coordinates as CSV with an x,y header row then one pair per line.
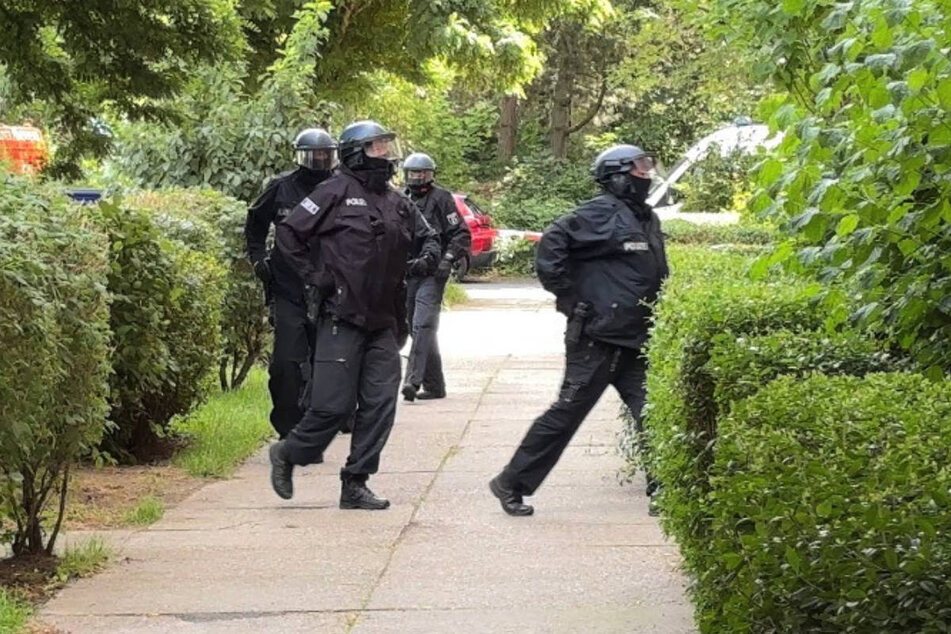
x,y
677,85
226,429
213,223
829,509
717,183
149,510
861,173
54,336
517,258
165,320
686,232
538,190
706,301
13,613
65,65
455,294
84,559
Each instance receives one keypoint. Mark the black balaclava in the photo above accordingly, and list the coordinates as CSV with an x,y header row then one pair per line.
x,y
418,191
632,190
314,177
375,172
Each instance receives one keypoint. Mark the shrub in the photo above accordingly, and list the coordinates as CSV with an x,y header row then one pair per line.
x,y
165,321
213,223
538,190
517,258
54,335
697,312
717,183
830,509
686,232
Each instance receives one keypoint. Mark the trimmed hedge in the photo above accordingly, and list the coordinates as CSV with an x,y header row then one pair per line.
x,y
54,333
831,509
213,223
686,232
165,320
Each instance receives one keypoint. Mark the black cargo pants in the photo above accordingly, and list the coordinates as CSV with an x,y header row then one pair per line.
x,y
353,368
290,368
423,305
590,368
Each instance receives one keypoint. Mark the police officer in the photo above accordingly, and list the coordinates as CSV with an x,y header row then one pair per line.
x,y
424,292
290,369
349,241
603,262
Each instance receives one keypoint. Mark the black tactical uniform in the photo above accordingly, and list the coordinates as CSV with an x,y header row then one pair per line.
x,y
425,292
349,241
290,369
603,262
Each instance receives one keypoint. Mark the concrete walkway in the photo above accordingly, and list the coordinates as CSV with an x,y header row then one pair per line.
x,y
444,558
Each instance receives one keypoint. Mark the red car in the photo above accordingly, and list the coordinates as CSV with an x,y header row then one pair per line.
x,y
482,253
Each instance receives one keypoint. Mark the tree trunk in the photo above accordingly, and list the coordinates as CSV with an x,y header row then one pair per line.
x,y
508,128
560,114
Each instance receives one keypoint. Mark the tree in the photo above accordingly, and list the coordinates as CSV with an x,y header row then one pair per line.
x,y
65,64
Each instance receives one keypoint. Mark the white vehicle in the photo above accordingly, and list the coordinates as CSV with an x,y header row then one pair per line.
x,y
744,136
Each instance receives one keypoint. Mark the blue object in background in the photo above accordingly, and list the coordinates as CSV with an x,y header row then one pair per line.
x,y
85,196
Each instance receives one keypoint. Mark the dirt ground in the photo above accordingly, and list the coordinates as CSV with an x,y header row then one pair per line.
x,y
100,498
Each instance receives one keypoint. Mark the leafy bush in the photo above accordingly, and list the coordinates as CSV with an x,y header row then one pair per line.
x,y
830,509
686,232
165,320
697,311
517,258
54,335
538,190
213,223
861,172
717,182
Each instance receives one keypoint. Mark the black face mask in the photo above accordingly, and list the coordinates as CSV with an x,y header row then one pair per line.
x,y
314,177
418,191
375,173
631,189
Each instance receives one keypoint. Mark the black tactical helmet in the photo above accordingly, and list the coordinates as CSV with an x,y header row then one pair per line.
x,y
315,149
359,137
419,162
618,160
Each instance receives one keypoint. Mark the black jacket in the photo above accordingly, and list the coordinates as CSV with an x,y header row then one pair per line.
x,y
280,196
439,208
603,254
353,244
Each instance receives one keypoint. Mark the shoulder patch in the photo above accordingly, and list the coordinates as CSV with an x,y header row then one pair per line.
x,y
453,218
310,206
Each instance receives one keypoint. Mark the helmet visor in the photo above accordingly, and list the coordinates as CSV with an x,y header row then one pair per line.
x,y
382,147
322,159
643,164
418,178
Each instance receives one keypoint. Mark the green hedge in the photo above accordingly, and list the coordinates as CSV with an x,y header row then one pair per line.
x,y
831,509
686,232
54,318
213,223
539,189
165,320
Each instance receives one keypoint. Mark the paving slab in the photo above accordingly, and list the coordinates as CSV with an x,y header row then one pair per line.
x,y
234,558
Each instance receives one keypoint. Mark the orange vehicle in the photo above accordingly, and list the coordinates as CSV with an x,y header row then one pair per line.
x,y
23,149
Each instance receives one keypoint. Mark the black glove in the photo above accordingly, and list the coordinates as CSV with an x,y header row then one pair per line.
x,y
313,298
263,270
444,270
418,267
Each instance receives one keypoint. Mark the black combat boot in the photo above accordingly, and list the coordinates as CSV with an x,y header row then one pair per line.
x,y
511,501
281,471
428,395
354,494
409,392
